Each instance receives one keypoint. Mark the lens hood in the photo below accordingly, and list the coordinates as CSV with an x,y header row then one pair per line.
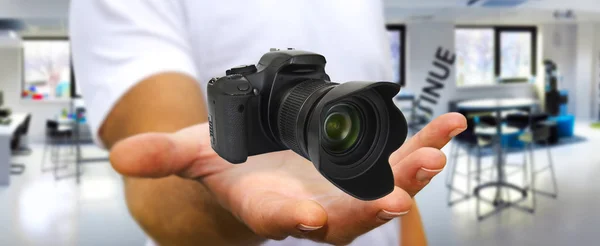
x,y
364,172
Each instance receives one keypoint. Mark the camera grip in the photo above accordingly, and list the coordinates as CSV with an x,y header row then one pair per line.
x,y
227,122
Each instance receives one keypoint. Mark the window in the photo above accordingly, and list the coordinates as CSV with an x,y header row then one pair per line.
x,y
491,55
397,36
475,56
517,54
46,69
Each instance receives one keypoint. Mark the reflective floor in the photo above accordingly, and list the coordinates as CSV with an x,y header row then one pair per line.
x,y
572,218
37,210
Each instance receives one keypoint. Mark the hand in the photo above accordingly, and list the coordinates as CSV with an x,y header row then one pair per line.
x,y
281,194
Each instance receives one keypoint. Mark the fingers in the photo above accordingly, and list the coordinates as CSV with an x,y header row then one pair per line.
x,y
349,218
417,169
275,216
155,155
394,205
436,134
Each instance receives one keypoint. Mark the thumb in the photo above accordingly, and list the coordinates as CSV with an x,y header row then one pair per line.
x,y
275,216
156,155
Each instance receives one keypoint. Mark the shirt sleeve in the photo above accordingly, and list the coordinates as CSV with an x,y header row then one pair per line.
x,y
117,43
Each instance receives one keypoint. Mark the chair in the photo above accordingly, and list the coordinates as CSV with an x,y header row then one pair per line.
x,y
538,131
473,144
488,119
15,146
56,135
17,143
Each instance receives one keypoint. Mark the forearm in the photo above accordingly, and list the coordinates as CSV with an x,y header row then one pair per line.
x,y
173,211
412,230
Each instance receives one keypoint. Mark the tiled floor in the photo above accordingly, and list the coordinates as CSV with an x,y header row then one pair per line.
x,y
37,210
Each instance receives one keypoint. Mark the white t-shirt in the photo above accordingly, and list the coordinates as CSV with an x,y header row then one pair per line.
x,y
118,43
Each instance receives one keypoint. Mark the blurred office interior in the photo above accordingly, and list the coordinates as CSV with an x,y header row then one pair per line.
x,y
525,73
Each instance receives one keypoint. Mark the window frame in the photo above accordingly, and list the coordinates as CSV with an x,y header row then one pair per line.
x,y
498,56
402,69
498,30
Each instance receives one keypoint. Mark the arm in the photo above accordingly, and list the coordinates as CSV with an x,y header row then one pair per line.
x,y
137,76
412,232
171,210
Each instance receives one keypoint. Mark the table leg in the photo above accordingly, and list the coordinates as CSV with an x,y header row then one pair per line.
x,y
77,151
499,157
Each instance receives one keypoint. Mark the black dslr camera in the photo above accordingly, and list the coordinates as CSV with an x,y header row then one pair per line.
x,y
287,101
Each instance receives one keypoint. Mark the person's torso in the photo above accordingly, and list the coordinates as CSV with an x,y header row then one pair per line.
x,y
350,34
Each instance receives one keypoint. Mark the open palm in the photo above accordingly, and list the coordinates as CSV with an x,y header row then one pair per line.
x,y
281,194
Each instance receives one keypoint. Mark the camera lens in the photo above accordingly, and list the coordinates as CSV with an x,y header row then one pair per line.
x,y
342,127
347,130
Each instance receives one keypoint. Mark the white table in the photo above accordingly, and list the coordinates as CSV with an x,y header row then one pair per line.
x,y
6,134
498,106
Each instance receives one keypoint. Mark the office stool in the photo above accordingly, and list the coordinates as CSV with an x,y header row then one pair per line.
x,y
56,135
539,130
487,120
473,145
540,133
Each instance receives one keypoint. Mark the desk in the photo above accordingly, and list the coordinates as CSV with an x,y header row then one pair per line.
x,y
6,134
497,106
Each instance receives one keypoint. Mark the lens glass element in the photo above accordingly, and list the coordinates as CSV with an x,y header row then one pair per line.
x,y
342,127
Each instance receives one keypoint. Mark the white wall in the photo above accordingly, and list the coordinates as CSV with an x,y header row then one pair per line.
x,y
10,84
424,43
575,47
560,46
582,96
596,77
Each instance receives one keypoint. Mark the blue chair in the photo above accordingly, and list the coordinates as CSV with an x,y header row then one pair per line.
x,y
537,131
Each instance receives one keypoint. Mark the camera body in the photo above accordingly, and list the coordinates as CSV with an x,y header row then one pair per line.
x,y
287,101
242,103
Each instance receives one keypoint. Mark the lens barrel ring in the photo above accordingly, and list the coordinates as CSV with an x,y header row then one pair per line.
x,y
287,121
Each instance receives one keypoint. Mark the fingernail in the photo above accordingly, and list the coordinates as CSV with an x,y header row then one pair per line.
x,y
305,228
456,132
424,174
387,215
